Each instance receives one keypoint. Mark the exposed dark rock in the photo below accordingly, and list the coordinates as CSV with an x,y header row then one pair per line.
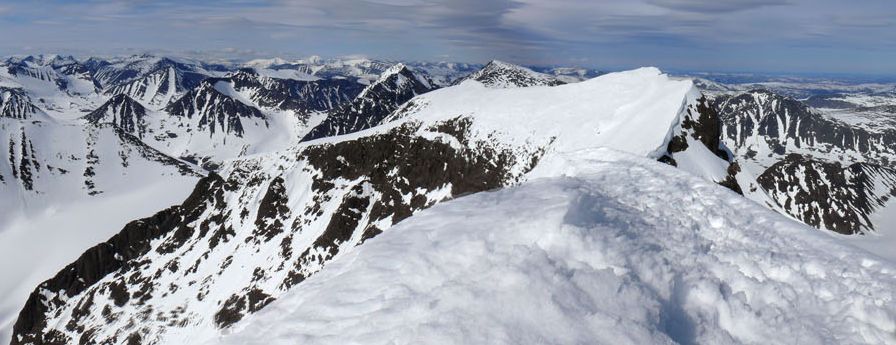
x,y
382,179
123,112
15,103
730,180
302,96
272,210
829,195
778,120
216,111
395,87
105,258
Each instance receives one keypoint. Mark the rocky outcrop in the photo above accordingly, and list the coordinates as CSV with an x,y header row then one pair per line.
x,y
823,172
96,263
764,122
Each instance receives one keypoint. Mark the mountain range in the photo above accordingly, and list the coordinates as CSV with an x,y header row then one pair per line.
x,y
193,202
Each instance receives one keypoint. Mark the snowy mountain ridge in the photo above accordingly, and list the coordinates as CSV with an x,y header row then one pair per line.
x,y
286,215
307,160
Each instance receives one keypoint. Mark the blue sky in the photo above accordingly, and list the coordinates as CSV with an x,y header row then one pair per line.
x,y
796,36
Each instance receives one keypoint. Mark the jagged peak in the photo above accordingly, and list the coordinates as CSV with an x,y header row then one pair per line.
x,y
763,97
498,64
502,64
399,69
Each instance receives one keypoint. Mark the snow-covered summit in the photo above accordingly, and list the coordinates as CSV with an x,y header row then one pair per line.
x,y
634,111
591,256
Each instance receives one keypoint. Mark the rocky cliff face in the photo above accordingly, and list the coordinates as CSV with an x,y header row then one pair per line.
x,y
213,110
829,195
823,172
762,123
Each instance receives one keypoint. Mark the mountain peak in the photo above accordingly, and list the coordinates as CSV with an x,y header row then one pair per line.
x,y
15,103
121,111
500,74
397,85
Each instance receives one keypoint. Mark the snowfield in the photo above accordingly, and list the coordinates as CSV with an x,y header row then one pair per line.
x,y
599,247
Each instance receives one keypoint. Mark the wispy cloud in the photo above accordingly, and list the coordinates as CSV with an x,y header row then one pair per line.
x,y
732,34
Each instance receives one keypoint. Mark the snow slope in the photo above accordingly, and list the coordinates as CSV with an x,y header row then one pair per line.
x,y
633,111
583,255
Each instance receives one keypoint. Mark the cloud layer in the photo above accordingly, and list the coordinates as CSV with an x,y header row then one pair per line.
x,y
733,35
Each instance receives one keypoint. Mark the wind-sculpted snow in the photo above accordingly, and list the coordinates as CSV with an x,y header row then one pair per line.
x,y
273,220
582,255
635,111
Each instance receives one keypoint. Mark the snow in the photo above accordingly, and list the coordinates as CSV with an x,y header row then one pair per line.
x,y
699,161
882,241
631,111
599,248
